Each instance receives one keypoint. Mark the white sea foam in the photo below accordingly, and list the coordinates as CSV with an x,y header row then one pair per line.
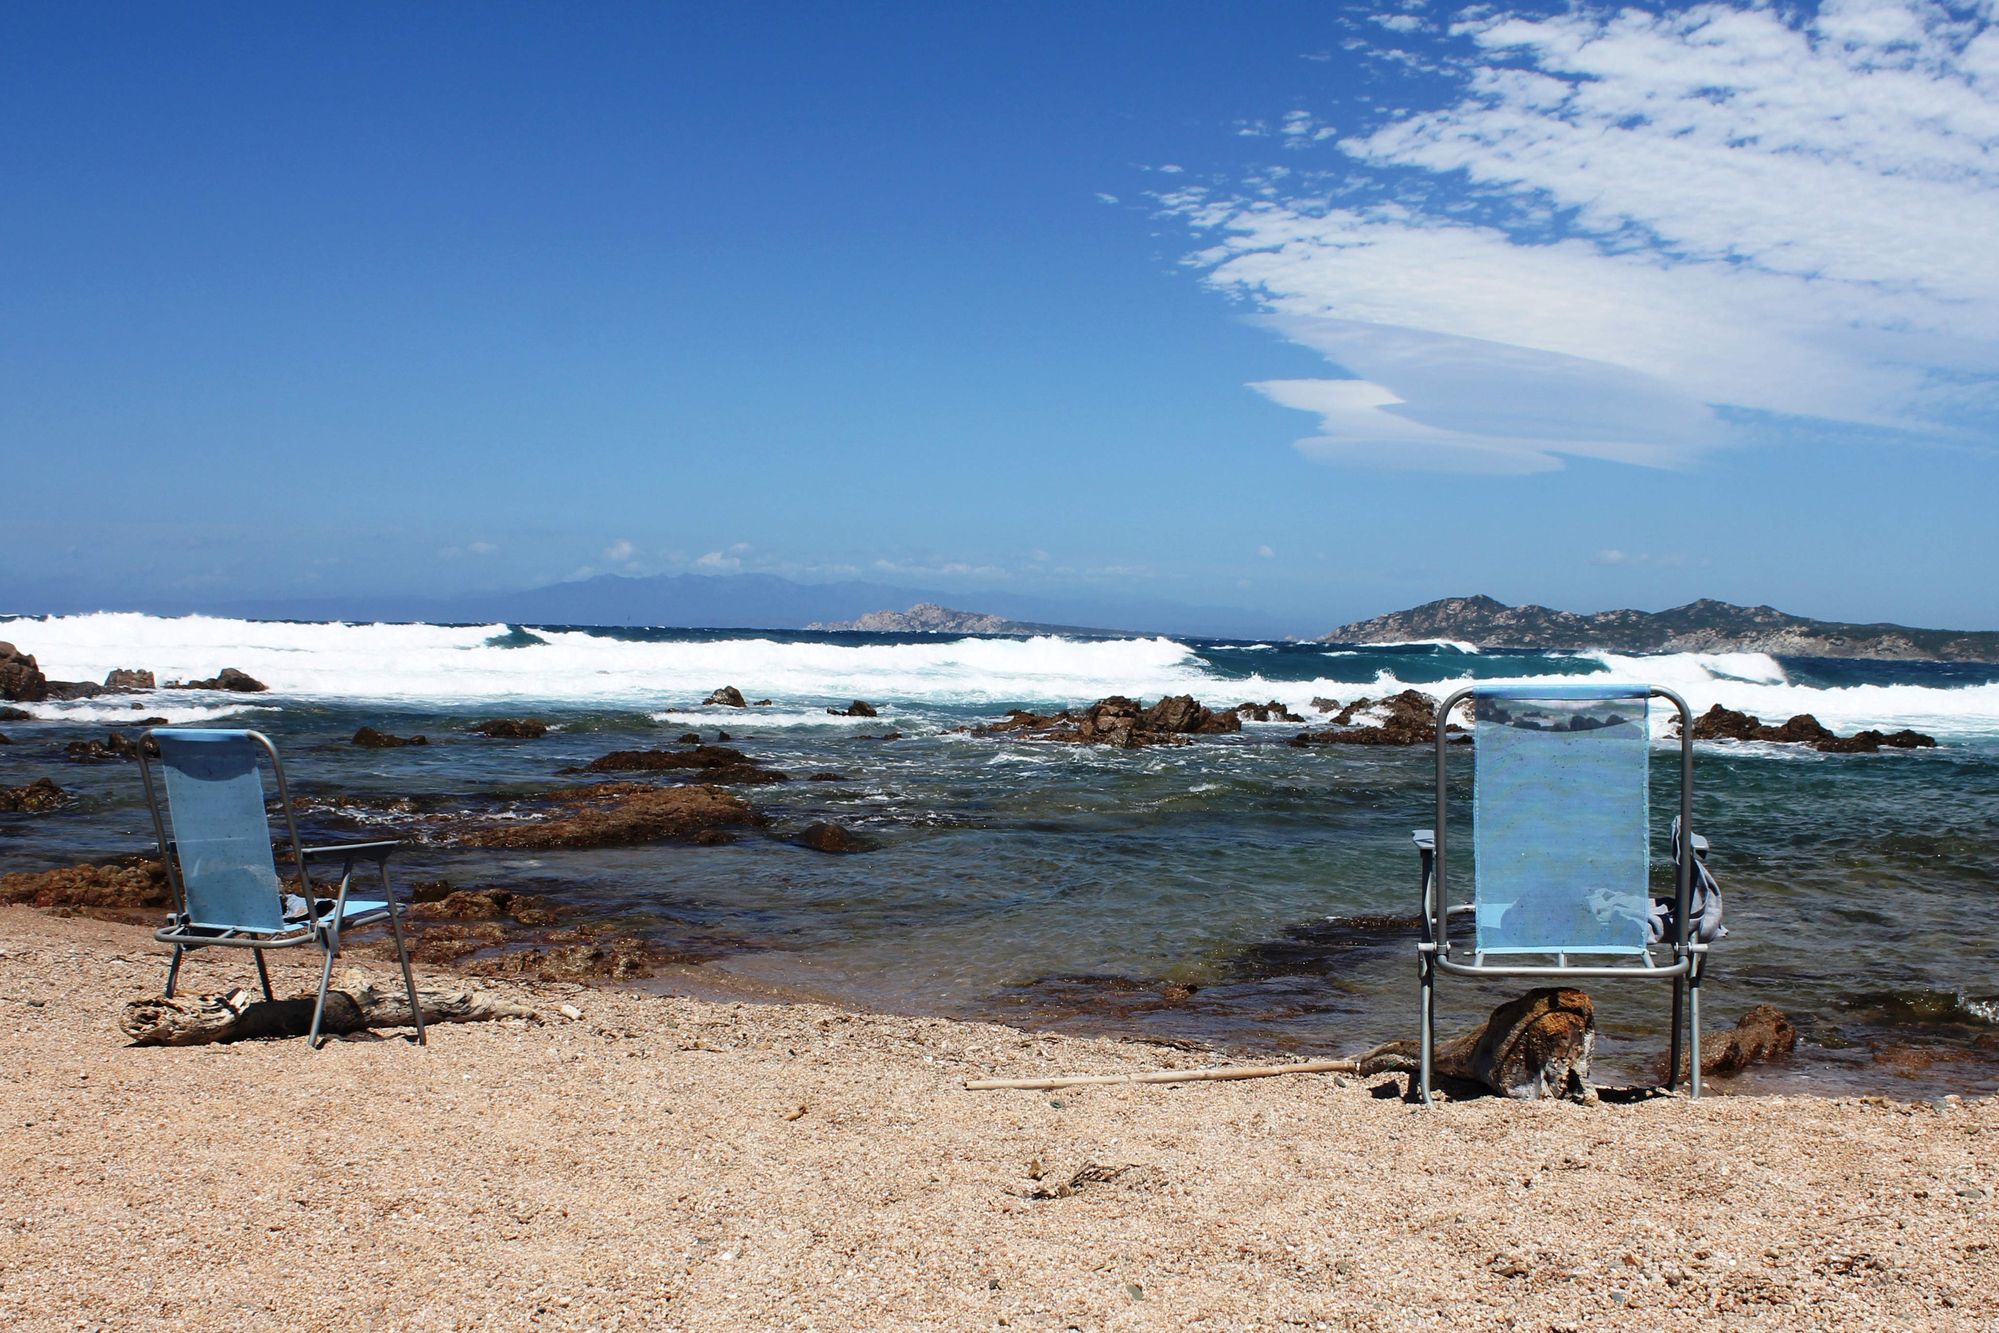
x,y
454,664
433,664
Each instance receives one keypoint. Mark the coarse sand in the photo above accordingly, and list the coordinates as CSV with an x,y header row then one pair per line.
x,y
663,1163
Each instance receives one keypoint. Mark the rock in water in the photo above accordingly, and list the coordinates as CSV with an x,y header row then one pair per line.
x,y
613,814
728,697
123,679
513,728
371,739
828,837
241,682
20,678
858,708
38,796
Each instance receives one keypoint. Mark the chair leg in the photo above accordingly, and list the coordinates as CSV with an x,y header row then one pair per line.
x,y
1673,1055
403,952
1694,1026
263,974
319,1008
1427,967
173,970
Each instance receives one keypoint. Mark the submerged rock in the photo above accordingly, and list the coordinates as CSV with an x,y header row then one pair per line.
x,y
830,837
371,739
858,708
653,761
513,728
727,697
15,714
614,814
36,797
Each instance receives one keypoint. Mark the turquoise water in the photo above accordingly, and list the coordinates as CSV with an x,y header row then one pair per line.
x,y
1235,891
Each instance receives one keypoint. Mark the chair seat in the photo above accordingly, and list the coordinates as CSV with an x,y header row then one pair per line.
x,y
295,908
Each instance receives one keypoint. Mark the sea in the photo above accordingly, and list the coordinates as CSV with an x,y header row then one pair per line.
x,y
1237,893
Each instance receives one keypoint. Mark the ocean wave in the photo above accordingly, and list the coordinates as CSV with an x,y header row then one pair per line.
x,y
442,665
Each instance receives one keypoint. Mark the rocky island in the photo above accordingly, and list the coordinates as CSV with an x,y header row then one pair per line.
x,y
1705,626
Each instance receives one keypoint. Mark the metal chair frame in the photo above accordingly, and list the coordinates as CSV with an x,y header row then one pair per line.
x,y
1433,952
324,921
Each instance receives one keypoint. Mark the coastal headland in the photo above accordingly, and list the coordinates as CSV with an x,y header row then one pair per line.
x,y
1705,626
662,1162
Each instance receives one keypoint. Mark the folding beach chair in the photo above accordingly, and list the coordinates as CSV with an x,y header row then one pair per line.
x,y
223,872
1562,853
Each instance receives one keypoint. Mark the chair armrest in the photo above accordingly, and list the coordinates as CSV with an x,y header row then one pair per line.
x,y
1700,847
352,851
1425,839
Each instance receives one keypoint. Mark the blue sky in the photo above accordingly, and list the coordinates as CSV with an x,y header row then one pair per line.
x,y
1314,309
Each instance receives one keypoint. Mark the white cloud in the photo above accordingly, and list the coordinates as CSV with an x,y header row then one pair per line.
x,y
1266,553
1751,207
483,548
1610,557
1103,198
619,551
716,560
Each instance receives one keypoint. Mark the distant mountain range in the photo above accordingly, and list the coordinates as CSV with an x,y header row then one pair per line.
x,y
733,601
1705,626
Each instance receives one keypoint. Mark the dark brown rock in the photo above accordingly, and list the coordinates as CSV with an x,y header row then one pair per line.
x,y
828,837
619,813
114,746
369,738
728,697
20,678
825,777
128,883
1411,720
761,703
1270,712
652,761
513,728
691,738
1720,723
16,715
36,797
858,708
229,679
123,679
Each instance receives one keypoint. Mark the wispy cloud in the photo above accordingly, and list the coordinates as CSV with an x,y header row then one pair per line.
x,y
620,551
1652,215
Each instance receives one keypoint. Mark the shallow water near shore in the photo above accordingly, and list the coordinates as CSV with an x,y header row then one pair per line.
x,y
1236,891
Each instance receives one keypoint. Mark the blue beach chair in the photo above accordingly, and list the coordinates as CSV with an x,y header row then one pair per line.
x,y
1562,853
223,872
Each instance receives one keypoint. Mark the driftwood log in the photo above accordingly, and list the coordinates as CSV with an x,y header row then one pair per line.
x,y
1537,1046
357,1004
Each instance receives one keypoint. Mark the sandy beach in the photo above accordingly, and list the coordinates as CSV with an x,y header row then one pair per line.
x,y
665,1163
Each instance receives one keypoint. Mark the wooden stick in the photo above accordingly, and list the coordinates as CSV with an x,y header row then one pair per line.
x,y
239,1015
1172,1075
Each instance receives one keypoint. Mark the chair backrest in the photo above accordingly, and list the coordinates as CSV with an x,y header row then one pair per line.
x,y
215,795
1560,819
